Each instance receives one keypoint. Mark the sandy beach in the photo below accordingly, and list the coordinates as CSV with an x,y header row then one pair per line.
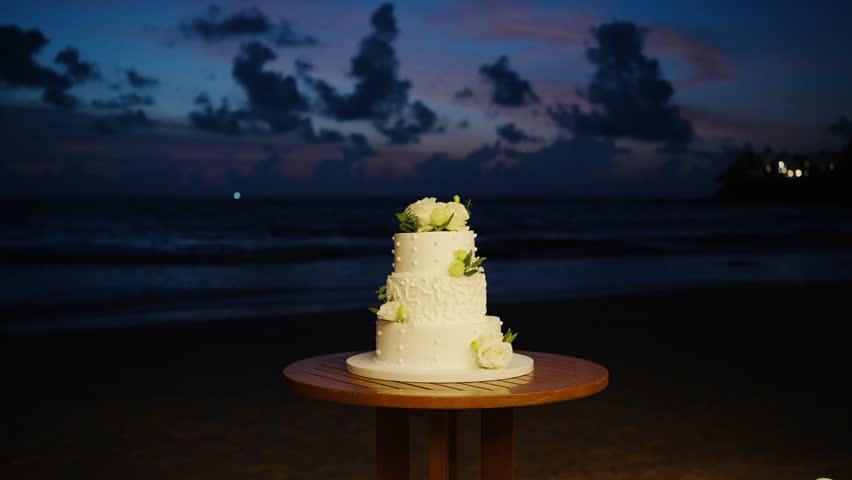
x,y
735,382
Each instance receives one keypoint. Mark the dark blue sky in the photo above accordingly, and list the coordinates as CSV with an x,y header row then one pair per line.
x,y
574,98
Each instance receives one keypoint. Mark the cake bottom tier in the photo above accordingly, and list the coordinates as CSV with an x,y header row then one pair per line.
x,y
430,345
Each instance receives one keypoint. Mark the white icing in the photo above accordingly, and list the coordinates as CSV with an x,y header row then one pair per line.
x,y
420,349
439,298
427,246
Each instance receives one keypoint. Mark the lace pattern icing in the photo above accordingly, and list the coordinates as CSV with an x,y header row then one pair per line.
x,y
439,299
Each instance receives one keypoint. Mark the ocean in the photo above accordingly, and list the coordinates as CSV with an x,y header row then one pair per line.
x,y
115,262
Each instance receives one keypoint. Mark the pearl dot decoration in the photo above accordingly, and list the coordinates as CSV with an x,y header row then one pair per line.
x,y
400,347
401,361
437,340
401,331
398,244
378,352
436,358
379,333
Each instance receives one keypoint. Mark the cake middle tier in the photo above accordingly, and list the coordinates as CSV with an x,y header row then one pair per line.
x,y
439,298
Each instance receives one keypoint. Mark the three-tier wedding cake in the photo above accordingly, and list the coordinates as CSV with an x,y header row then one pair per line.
x,y
433,324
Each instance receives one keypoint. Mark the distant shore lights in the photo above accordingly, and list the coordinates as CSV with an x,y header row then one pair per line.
x,y
236,195
788,172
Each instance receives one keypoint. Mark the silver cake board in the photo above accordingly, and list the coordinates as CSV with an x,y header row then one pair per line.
x,y
366,365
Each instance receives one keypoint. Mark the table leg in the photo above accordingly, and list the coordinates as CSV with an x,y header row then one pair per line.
x,y
443,445
392,444
498,443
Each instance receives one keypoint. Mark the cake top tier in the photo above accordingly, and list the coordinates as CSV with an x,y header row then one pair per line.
x,y
429,252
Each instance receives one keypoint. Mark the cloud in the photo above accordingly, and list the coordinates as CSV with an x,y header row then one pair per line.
x,y
324,135
124,121
337,174
407,128
273,98
561,32
275,104
58,151
463,94
249,22
126,113
512,134
124,102
378,91
629,94
379,95
18,68
577,166
221,120
58,96
287,37
303,67
708,64
517,21
80,71
137,80
510,90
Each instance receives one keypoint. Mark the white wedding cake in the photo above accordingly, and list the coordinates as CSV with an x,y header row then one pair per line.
x,y
433,324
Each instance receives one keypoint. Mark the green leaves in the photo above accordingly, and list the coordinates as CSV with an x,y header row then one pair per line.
x,y
509,337
381,293
406,222
465,264
444,225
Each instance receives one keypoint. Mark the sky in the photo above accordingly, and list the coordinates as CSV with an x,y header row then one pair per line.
x,y
504,97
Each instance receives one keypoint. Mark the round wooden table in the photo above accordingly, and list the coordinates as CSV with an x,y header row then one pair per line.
x,y
556,378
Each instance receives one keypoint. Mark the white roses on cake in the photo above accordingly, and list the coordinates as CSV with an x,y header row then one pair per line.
x,y
459,217
429,215
421,211
393,312
492,351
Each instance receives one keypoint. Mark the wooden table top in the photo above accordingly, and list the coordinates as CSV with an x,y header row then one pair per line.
x,y
555,378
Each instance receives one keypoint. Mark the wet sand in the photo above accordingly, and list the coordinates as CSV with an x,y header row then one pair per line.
x,y
739,382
